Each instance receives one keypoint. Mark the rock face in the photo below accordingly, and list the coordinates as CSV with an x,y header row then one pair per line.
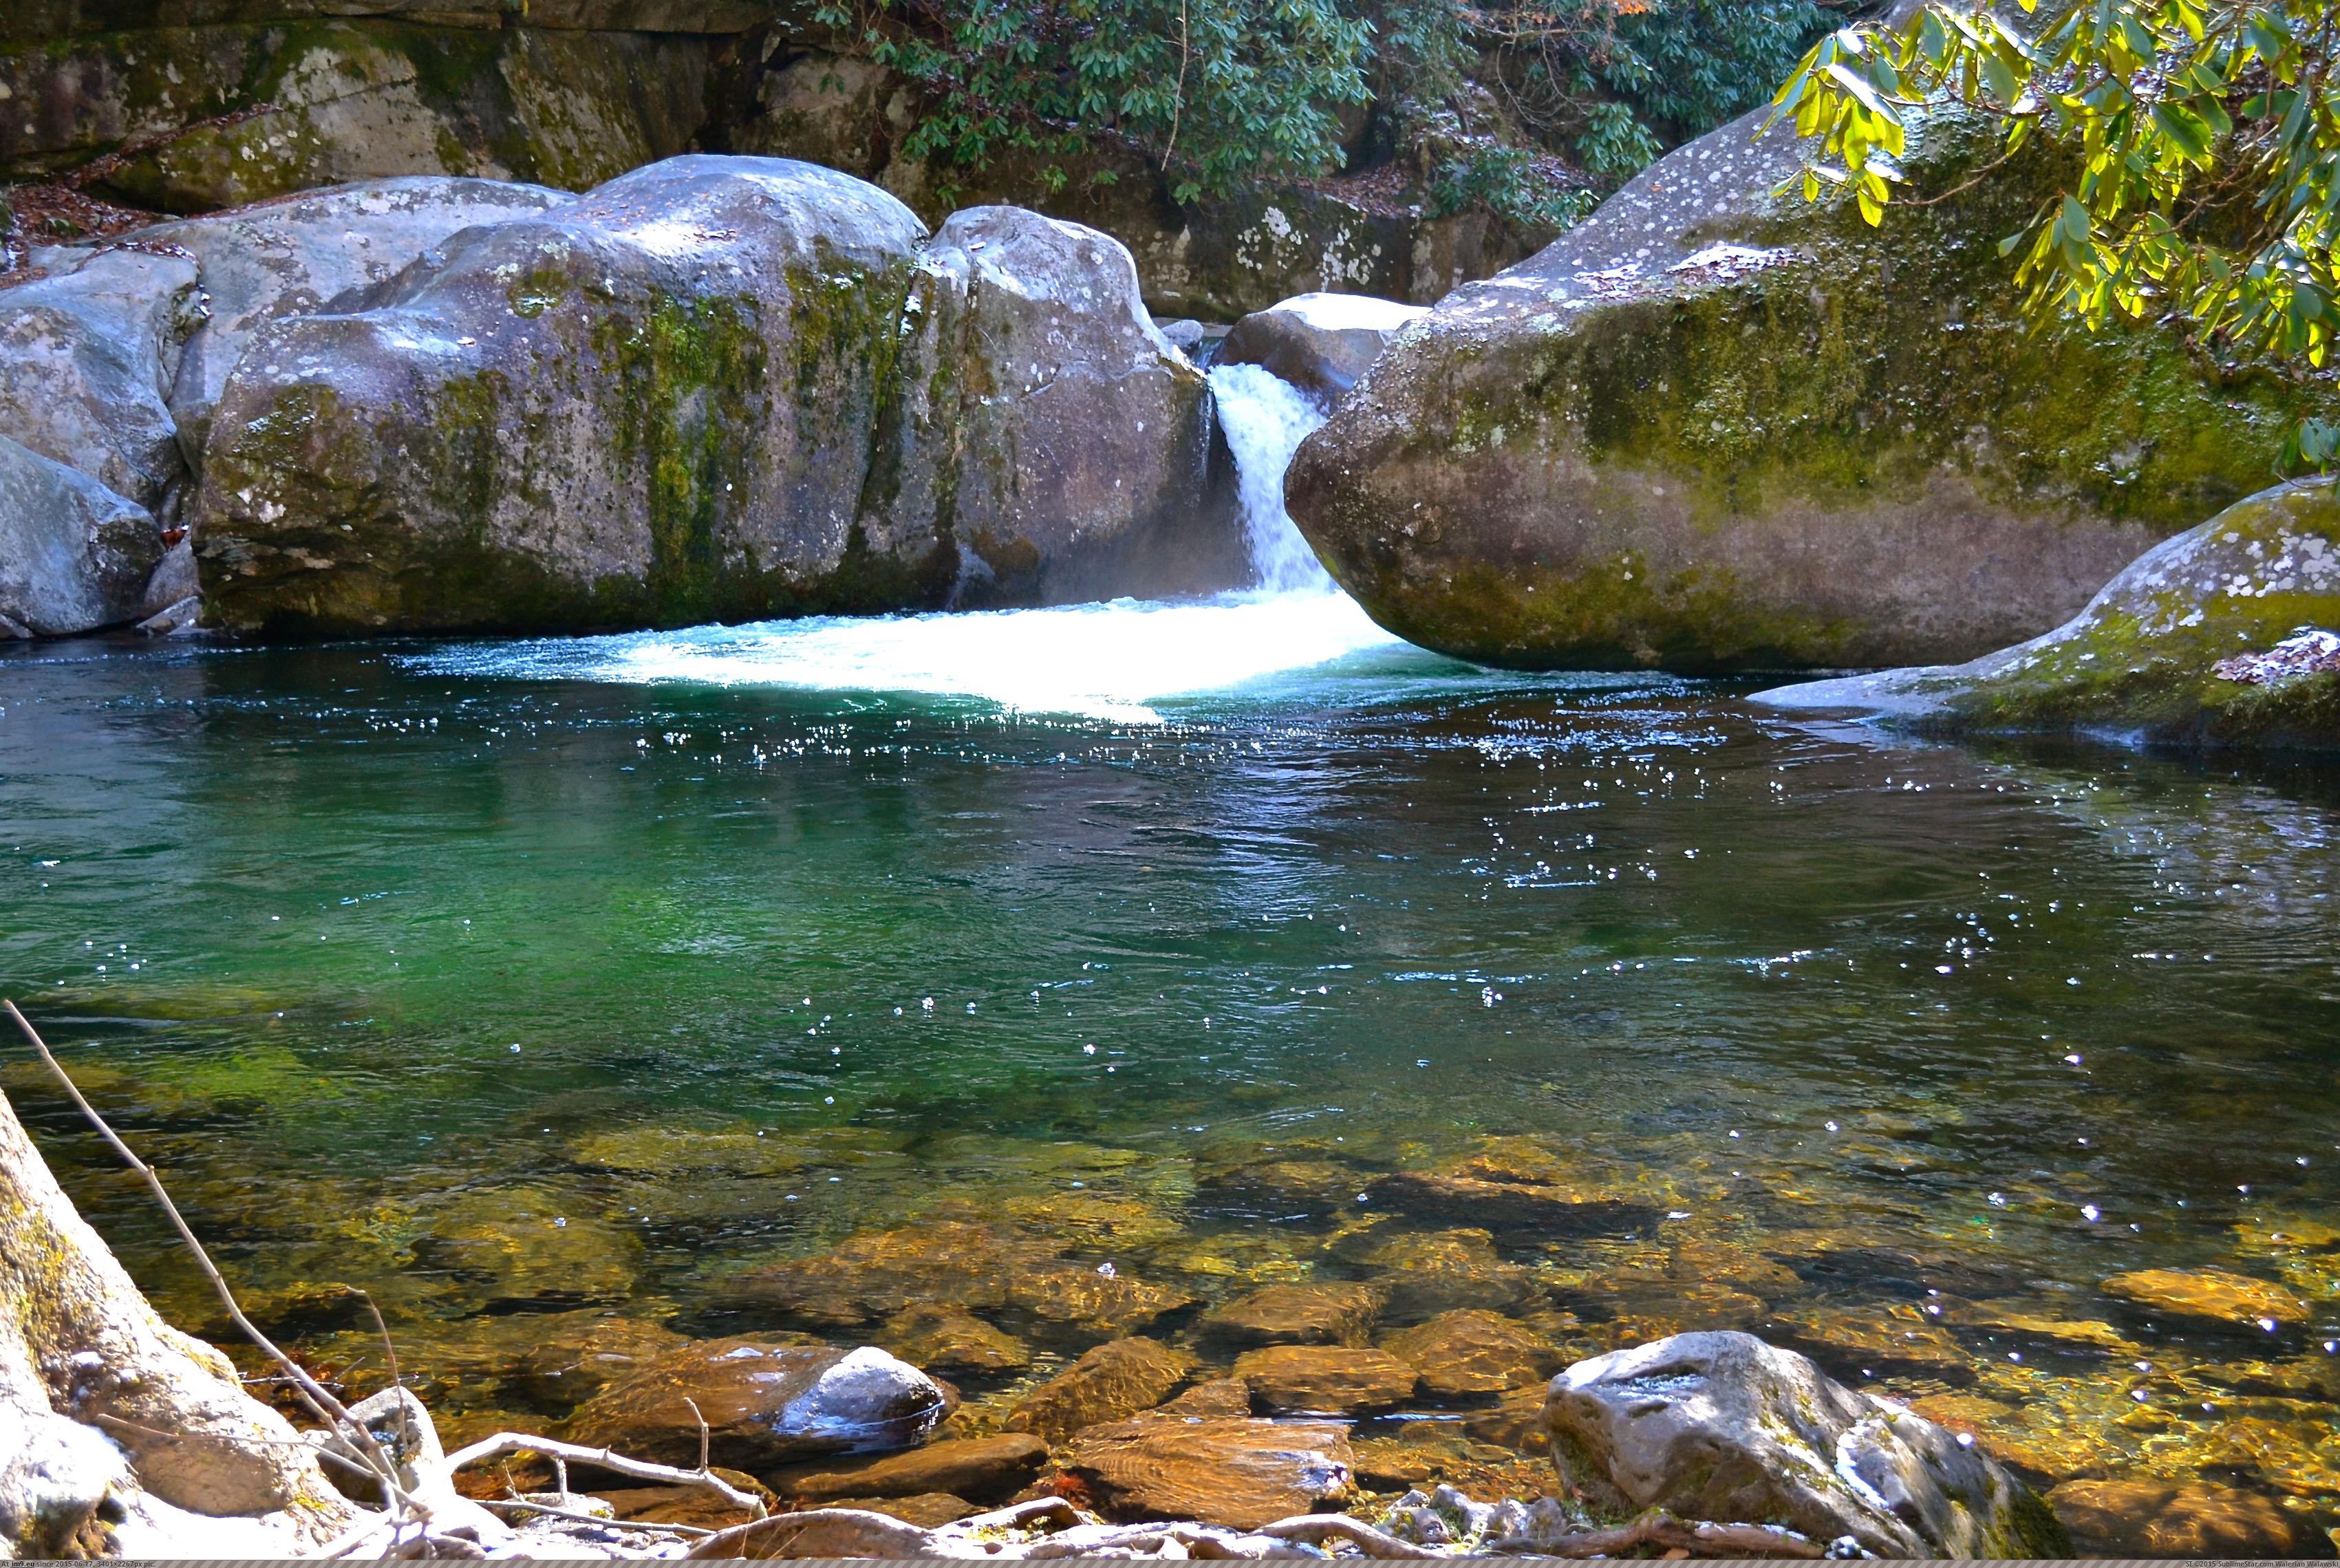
x,y
1229,1470
765,1405
1713,429
1319,342
1050,427
311,256
2216,637
716,388
74,555
1722,1426
87,358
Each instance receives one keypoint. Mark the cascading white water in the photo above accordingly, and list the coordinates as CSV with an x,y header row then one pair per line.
x,y
1266,419
1108,660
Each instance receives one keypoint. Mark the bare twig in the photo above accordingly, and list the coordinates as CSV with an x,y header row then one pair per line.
x,y
703,1470
328,1409
525,1506
602,1459
389,1350
1317,1528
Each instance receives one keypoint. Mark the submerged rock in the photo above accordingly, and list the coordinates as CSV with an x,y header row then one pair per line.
x,y
1233,1471
1114,1380
717,387
1458,1354
1722,1426
74,555
2167,1519
943,1339
1319,342
981,1468
765,1405
2213,637
1325,1380
1334,1313
2211,1295
1715,428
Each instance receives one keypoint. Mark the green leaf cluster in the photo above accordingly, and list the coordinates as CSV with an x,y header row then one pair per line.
x,y
2204,139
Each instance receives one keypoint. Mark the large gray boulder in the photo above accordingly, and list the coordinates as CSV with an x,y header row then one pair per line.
x,y
1716,428
1320,343
311,256
715,388
1051,428
86,359
74,555
1722,1426
2226,635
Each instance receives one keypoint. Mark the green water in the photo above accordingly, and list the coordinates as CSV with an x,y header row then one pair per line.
x,y
510,995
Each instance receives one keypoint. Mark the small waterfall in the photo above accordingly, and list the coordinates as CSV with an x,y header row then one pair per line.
x,y
1266,419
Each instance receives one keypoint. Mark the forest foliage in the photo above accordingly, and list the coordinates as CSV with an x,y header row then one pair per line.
x,y
1529,108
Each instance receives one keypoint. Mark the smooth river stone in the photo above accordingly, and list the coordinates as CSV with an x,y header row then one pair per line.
x,y
1460,1354
1506,1205
766,1406
1431,1271
1330,1314
2164,1519
1234,1471
1327,1380
1115,1379
2212,1295
942,1338
1861,1344
973,1467
1282,1189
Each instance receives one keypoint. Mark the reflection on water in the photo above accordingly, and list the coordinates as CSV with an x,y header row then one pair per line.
x,y
581,989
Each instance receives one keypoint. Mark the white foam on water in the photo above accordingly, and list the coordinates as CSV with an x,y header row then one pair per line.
x,y
1110,660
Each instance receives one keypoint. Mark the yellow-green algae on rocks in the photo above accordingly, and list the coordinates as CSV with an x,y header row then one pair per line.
x,y
2222,635
1716,428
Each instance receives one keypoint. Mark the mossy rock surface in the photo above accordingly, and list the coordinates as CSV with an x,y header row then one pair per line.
x,y
1716,428
2225,635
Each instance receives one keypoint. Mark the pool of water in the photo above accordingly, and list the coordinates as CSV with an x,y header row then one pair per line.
x,y
601,982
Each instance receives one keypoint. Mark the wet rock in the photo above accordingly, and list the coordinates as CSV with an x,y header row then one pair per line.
x,y
2152,654
2167,1519
1509,1209
569,1357
1319,342
1458,1354
1114,1380
1325,1380
1431,1271
2210,1295
927,1509
1096,1221
1050,429
1515,1423
1724,1426
1281,1189
1219,1396
86,357
74,555
982,1468
1865,1345
1715,427
1327,1314
766,1406
1073,1302
733,1151
313,255
684,1504
943,1339
883,1273
1239,1472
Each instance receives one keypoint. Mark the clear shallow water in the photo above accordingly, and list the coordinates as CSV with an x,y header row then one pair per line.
x,y
517,981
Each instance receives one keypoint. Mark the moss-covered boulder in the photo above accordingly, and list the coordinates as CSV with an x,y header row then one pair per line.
x,y
715,388
2228,634
1716,428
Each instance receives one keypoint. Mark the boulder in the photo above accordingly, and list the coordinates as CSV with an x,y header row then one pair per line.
x,y
982,1468
1715,427
312,257
766,1406
1722,1426
715,388
1234,1471
1334,1313
1319,342
1051,428
1114,1380
74,555
2228,634
86,357
1325,1379
1458,1354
